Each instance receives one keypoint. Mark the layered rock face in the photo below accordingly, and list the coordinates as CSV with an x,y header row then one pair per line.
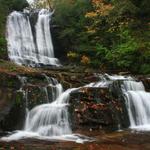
x,y
97,108
90,107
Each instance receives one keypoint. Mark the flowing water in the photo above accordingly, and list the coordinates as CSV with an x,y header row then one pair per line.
x,y
106,80
138,104
22,49
44,39
50,120
137,99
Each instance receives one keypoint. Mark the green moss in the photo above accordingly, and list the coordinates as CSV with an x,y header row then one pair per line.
x,y
18,98
145,69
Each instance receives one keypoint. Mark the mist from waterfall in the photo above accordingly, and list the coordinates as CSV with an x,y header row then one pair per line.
x,y
23,48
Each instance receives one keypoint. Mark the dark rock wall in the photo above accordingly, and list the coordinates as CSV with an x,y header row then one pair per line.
x,y
97,108
15,97
12,110
92,108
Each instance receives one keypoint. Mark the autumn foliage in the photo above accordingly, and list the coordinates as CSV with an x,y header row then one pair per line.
x,y
101,8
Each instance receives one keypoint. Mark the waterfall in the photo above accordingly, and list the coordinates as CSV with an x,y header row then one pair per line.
x,y
138,104
55,86
106,80
50,120
22,48
133,86
137,99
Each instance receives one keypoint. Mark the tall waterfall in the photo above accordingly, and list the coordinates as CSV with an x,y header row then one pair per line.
x,y
138,104
22,48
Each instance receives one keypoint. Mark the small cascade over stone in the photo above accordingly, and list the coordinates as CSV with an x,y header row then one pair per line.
x,y
49,120
138,104
22,48
106,80
137,100
55,86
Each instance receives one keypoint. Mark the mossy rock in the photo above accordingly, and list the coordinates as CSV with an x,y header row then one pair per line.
x,y
9,80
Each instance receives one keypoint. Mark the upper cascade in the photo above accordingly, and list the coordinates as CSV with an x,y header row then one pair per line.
x,y
26,49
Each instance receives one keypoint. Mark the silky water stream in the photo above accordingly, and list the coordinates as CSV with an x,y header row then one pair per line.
x,y
49,121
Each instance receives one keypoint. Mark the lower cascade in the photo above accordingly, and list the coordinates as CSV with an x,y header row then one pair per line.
x,y
137,99
50,120
138,104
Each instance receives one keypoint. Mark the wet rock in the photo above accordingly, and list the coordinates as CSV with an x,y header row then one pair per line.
x,y
90,107
16,96
12,110
116,88
9,80
96,108
146,82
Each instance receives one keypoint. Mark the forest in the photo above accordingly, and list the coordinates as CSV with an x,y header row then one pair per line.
x,y
102,34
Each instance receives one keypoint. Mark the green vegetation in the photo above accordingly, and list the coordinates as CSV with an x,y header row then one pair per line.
x,y
103,34
112,34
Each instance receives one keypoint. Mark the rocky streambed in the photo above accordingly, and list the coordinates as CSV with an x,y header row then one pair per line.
x,y
125,140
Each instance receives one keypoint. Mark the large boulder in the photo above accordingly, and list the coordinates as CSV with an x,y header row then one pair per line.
x,y
97,108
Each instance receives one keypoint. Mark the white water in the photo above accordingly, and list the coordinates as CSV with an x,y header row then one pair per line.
x,y
30,1
43,38
106,80
137,99
22,49
56,88
133,86
50,121
138,104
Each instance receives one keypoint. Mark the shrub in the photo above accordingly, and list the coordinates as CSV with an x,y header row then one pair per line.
x,y
85,60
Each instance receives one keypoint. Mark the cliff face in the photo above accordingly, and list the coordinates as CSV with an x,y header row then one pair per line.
x,y
22,87
90,107
96,108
